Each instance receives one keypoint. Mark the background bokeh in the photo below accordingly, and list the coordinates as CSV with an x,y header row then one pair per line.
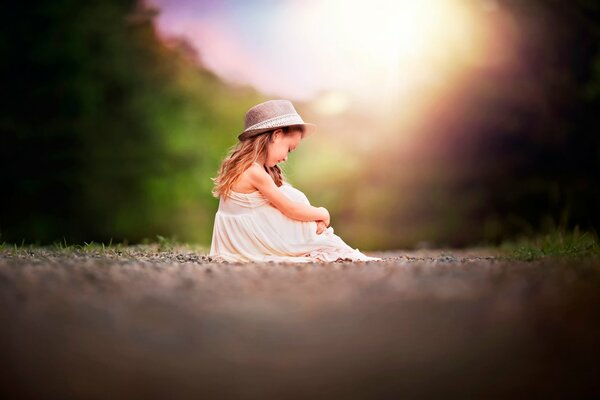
x,y
442,123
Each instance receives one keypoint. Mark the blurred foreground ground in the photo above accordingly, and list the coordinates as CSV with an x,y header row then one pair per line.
x,y
138,323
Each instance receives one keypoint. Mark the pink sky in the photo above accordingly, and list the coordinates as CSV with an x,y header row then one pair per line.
x,y
375,51
239,41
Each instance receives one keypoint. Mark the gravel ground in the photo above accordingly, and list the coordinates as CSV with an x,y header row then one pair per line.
x,y
139,323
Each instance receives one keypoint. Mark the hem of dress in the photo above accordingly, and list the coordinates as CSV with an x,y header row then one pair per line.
x,y
311,257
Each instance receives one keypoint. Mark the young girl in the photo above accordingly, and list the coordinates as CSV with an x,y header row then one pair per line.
x,y
262,217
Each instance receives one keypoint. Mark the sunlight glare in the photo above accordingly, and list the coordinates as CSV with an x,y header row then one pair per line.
x,y
380,48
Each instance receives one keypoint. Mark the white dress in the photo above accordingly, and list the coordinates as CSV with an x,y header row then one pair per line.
x,y
249,228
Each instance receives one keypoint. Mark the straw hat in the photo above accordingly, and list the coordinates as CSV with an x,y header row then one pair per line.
x,y
270,115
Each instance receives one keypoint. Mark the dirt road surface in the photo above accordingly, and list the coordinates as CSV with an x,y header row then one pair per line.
x,y
140,323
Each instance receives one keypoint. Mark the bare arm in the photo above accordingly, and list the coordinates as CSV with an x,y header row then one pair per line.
x,y
265,185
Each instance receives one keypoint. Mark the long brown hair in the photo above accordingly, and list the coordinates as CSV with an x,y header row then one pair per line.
x,y
241,156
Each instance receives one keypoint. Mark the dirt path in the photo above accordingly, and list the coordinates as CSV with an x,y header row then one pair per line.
x,y
436,323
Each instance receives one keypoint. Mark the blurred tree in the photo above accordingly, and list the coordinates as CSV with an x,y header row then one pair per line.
x,y
108,131
507,151
545,164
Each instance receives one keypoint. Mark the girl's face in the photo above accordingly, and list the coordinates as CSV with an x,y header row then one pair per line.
x,y
278,149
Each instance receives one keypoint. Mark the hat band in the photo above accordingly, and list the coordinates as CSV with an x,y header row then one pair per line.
x,y
281,120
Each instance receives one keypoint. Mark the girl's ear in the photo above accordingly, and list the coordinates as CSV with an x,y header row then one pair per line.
x,y
277,134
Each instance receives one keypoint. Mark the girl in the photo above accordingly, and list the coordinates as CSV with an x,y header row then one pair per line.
x,y
262,217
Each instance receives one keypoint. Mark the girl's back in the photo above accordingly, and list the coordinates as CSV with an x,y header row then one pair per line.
x,y
243,185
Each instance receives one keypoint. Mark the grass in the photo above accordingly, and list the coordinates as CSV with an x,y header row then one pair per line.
x,y
161,244
558,243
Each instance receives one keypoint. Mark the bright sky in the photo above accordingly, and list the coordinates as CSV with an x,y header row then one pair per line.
x,y
337,50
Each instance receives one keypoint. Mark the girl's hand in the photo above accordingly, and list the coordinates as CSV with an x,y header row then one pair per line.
x,y
321,227
326,217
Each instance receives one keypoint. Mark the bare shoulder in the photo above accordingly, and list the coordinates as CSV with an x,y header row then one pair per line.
x,y
255,172
263,182
254,168
243,183
257,176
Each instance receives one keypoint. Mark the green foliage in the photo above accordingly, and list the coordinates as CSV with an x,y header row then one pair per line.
x,y
109,132
558,243
148,248
165,244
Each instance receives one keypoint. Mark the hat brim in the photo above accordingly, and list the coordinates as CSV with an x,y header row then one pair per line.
x,y
309,130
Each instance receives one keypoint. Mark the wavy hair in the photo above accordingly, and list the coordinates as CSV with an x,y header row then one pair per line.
x,y
241,156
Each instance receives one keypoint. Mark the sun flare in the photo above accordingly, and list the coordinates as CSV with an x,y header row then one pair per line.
x,y
390,44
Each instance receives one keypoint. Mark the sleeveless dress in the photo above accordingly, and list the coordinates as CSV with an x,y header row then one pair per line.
x,y
248,228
